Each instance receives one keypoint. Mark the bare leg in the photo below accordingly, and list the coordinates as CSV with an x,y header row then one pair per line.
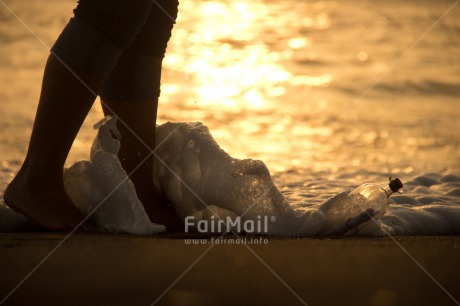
x,y
137,144
131,92
92,41
38,188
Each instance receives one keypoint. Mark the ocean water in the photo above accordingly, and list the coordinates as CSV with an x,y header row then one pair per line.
x,y
329,94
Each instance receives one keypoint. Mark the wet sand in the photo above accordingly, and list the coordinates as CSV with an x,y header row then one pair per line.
x,y
91,269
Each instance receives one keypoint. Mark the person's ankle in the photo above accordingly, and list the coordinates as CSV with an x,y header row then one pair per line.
x,y
33,178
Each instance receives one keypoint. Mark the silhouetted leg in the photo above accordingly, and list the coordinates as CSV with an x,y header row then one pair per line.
x,y
90,50
132,92
38,188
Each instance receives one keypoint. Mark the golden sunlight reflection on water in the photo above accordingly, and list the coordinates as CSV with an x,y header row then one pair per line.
x,y
277,80
226,60
236,57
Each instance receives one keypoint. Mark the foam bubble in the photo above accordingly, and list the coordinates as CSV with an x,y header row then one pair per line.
x,y
203,181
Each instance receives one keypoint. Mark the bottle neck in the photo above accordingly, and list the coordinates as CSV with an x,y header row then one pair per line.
x,y
387,189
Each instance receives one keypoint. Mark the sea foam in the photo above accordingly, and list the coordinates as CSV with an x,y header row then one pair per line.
x,y
201,180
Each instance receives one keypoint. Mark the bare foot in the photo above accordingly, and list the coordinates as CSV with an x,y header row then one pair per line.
x,y
159,210
159,213
49,206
